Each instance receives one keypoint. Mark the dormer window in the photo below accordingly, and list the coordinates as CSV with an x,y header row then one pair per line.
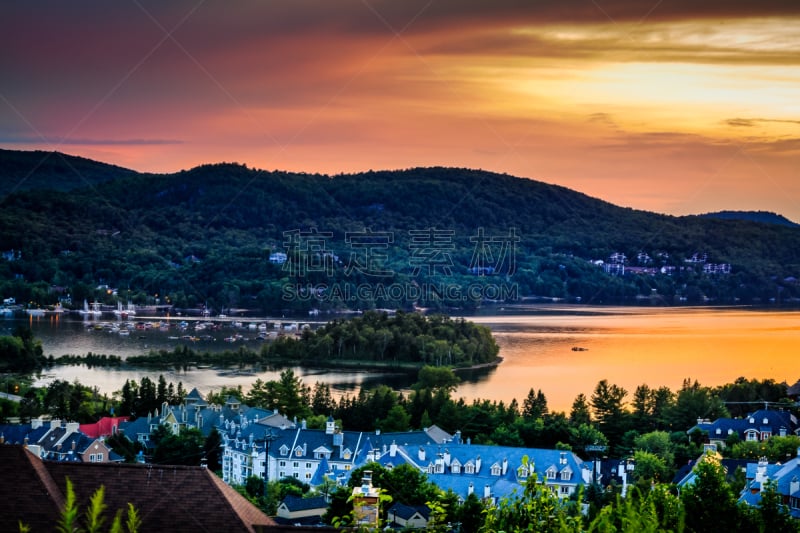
x,y
298,451
522,472
730,432
455,468
719,431
752,420
766,420
284,450
551,473
566,475
495,469
469,468
440,468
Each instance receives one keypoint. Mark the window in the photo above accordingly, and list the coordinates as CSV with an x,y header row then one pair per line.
x,y
282,473
495,470
522,472
296,465
308,475
551,473
564,490
296,475
469,468
347,467
92,458
439,468
455,468
99,457
282,463
566,475
308,465
284,450
298,452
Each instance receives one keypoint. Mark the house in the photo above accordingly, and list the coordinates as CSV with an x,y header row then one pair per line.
x,y
786,477
58,442
408,516
105,427
490,472
294,510
167,498
755,427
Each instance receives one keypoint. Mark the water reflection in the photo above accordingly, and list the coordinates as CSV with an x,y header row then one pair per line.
x,y
627,346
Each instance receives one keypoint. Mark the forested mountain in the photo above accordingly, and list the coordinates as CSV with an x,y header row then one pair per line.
x,y
753,216
24,171
434,237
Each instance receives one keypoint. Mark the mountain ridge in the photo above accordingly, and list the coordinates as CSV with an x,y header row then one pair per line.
x,y
210,234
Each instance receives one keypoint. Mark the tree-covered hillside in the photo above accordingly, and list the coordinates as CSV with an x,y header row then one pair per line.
x,y
434,237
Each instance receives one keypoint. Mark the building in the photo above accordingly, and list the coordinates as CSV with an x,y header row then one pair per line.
x,y
755,427
489,472
786,477
294,510
167,498
401,516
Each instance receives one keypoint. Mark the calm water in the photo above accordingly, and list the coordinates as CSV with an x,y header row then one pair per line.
x,y
627,346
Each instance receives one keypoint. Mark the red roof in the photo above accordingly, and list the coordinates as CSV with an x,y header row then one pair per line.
x,y
105,427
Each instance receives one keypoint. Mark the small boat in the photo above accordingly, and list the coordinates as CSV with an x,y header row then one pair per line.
x,y
579,349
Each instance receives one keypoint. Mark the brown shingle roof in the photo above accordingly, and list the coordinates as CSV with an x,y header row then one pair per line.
x,y
27,491
168,498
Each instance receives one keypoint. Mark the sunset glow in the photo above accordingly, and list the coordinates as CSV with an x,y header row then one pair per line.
x,y
671,107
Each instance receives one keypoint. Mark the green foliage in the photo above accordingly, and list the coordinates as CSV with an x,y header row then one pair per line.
x,y
185,448
20,352
709,502
537,509
69,521
775,449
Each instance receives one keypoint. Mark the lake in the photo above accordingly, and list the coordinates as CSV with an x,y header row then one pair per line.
x,y
562,350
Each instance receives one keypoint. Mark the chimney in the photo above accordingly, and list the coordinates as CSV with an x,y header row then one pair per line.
x,y
470,489
794,485
377,431
478,465
73,427
303,424
74,445
36,423
505,466
447,458
393,449
421,453
487,491
55,423
2,439
457,437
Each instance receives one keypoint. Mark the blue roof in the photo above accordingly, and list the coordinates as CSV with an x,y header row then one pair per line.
x,y
296,503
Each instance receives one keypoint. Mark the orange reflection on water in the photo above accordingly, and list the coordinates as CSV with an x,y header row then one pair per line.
x,y
627,347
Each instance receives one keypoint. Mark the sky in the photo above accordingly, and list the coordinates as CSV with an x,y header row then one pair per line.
x,y
673,106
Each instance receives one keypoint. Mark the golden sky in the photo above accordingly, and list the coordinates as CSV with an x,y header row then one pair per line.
x,y
673,106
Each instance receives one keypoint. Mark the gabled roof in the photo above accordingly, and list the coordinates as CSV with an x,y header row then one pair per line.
x,y
104,427
17,433
168,498
33,497
296,503
406,512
